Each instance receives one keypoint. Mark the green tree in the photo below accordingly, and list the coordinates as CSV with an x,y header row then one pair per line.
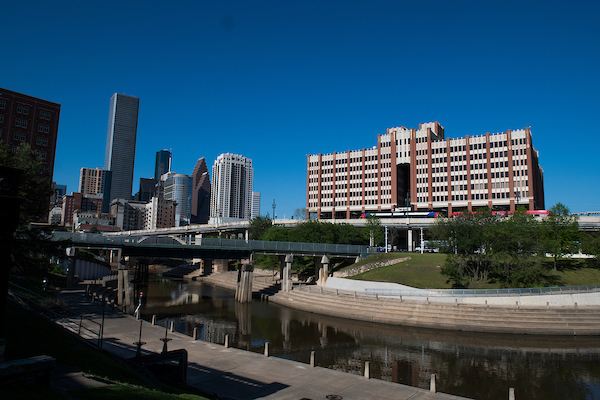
x,y
259,226
299,213
373,231
560,232
590,244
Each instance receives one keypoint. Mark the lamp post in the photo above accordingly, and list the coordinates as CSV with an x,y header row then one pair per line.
x,y
517,199
274,205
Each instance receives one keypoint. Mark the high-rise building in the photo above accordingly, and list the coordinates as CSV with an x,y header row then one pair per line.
x,y
178,188
120,144
231,192
96,181
148,189
255,205
163,163
420,169
200,193
26,119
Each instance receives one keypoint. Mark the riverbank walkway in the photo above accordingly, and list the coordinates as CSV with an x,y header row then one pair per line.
x,y
229,373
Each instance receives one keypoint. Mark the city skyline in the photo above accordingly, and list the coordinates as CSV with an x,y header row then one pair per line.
x,y
275,82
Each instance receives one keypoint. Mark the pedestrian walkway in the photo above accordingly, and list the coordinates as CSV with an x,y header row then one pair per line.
x,y
232,373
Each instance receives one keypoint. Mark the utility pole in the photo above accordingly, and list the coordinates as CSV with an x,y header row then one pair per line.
x,y
274,205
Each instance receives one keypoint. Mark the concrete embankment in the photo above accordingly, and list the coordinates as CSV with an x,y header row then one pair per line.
x,y
545,315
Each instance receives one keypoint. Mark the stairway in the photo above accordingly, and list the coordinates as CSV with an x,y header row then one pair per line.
x,y
524,320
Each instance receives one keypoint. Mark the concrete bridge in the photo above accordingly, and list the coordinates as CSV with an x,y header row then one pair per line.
x,y
209,252
409,231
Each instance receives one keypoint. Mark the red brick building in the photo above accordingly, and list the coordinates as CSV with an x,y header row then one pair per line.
x,y
27,119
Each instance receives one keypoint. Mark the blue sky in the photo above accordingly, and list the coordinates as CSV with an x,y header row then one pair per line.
x,y
277,80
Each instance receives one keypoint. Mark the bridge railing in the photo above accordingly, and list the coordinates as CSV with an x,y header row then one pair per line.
x,y
215,243
483,292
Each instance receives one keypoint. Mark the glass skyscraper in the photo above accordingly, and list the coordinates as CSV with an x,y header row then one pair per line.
x,y
120,144
163,163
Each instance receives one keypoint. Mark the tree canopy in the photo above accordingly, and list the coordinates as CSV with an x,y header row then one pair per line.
x,y
506,249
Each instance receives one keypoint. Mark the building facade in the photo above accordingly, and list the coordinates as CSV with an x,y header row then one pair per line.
x,y
27,119
163,163
200,193
178,188
231,191
78,202
160,213
255,205
420,169
120,144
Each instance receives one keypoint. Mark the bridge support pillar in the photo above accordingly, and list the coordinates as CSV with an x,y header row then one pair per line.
x,y
243,292
123,299
221,265
286,276
323,270
409,236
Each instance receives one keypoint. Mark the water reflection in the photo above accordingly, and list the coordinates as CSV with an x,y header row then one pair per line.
x,y
481,366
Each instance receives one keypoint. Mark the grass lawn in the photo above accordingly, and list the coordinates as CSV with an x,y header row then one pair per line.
x,y
423,271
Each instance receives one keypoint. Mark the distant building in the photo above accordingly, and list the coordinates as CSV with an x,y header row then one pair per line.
x,y
27,119
93,222
160,213
163,163
255,205
178,188
420,169
55,215
137,215
148,189
120,144
200,193
57,196
96,181
231,191
78,202
129,215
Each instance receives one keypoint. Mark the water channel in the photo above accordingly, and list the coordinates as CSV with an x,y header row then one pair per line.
x,y
474,365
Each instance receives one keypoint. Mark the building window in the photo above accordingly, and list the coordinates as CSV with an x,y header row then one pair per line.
x,y
2,104
1,119
16,136
40,128
24,123
46,128
22,137
38,141
25,110
19,109
18,122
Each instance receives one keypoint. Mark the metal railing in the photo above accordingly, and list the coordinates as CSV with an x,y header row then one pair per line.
x,y
541,291
406,293
214,243
58,314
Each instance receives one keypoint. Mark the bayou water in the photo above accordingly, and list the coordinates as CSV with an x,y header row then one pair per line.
x,y
474,365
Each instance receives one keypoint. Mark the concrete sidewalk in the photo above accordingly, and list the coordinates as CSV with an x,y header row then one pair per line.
x,y
230,373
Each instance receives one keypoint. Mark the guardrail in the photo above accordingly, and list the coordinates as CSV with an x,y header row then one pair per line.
x,y
59,314
215,243
406,293
542,291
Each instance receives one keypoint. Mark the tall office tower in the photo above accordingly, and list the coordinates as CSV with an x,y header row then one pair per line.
x,y
26,119
200,193
163,163
231,193
178,188
420,169
255,205
120,144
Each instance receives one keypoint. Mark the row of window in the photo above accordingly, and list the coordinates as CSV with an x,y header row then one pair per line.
x,y
20,123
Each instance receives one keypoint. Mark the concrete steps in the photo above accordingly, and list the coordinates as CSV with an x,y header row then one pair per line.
x,y
557,321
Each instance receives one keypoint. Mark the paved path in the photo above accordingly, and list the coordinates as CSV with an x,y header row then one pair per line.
x,y
237,374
